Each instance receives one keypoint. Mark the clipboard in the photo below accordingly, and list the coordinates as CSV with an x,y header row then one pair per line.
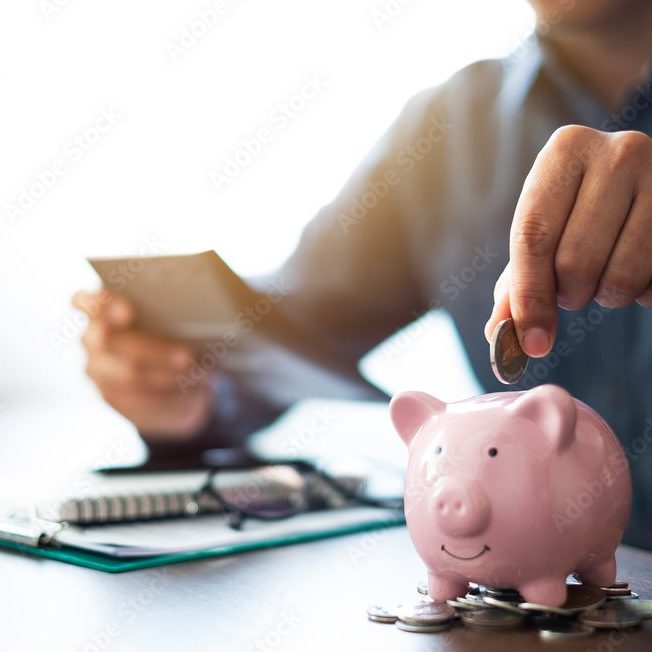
x,y
365,521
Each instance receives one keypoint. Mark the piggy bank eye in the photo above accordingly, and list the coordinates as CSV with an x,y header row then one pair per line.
x,y
492,452
438,450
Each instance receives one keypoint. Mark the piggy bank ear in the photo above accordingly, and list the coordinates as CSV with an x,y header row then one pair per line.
x,y
410,410
552,409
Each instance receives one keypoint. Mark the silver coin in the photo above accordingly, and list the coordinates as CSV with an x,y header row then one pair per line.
x,y
610,618
461,605
508,360
566,630
422,629
582,597
618,584
505,597
629,596
475,603
501,590
610,590
491,619
426,613
380,614
540,620
533,606
504,604
641,607
422,587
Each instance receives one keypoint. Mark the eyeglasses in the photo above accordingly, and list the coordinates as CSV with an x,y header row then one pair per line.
x,y
272,492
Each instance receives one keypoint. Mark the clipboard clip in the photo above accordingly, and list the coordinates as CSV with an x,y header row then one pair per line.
x,y
29,531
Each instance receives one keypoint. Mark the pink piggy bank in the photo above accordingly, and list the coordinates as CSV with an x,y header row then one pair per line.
x,y
514,489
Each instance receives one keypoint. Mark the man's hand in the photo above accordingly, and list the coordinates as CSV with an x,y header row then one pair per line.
x,y
137,373
582,230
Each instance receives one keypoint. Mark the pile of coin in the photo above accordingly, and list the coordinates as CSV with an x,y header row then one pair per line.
x,y
424,616
587,609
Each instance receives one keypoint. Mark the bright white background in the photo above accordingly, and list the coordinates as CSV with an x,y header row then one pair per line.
x,y
143,186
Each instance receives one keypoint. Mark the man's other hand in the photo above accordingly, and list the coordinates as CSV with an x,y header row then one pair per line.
x,y
138,373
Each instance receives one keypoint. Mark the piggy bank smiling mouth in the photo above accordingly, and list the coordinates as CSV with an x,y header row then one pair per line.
x,y
485,548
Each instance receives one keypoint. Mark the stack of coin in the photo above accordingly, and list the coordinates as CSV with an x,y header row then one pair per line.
x,y
506,595
610,617
380,614
619,590
491,619
422,588
581,597
496,609
425,617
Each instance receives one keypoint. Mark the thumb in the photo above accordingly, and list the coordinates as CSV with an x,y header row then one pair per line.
x,y
501,309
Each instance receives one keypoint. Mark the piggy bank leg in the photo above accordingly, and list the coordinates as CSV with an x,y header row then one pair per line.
x,y
442,588
601,572
549,591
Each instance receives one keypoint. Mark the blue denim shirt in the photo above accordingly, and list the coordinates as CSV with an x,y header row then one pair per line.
x,y
424,222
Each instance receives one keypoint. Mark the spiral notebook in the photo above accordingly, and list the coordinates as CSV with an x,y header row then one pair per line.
x,y
129,523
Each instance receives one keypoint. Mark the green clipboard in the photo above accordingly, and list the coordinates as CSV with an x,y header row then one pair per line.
x,y
109,564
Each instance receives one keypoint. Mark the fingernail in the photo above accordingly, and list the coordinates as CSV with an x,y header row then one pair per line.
x,y
487,334
500,289
536,342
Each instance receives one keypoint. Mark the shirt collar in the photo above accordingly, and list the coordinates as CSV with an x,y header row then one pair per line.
x,y
535,57
522,68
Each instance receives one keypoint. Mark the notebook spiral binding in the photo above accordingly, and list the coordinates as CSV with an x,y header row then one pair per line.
x,y
267,485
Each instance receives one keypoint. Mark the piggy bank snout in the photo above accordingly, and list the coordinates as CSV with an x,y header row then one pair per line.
x,y
461,507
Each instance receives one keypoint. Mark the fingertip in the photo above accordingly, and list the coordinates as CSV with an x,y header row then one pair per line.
x,y
120,312
487,331
78,298
501,311
490,326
